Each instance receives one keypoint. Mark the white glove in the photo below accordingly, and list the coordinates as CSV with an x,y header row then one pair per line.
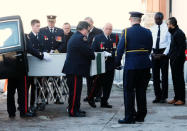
x,y
52,51
46,56
107,54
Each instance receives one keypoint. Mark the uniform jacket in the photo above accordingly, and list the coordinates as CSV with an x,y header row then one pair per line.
x,y
37,42
138,49
30,42
53,41
79,56
101,43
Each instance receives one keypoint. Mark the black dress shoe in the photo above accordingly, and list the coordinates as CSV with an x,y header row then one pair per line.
x,y
139,118
123,121
28,114
92,103
85,99
77,115
82,112
106,105
156,101
12,115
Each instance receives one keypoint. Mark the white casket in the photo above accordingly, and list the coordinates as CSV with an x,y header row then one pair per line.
x,y
53,67
98,65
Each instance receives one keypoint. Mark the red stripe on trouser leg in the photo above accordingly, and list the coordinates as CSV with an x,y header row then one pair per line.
x,y
25,94
74,95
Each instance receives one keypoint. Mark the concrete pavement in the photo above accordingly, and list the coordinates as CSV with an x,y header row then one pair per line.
x,y
161,117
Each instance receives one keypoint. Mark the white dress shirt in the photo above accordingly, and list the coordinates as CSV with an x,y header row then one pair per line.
x,y
35,34
51,29
165,37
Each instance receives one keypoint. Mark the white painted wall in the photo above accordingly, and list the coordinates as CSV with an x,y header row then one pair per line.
x,y
179,10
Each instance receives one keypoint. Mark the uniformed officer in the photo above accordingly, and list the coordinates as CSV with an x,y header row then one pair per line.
x,y
53,36
19,83
137,42
77,66
36,42
106,42
92,80
53,41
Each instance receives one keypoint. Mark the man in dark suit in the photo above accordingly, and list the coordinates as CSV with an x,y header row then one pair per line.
x,y
77,66
92,80
67,35
53,36
106,42
137,42
177,58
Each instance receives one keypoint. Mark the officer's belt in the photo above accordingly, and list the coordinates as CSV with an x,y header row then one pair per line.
x,y
137,51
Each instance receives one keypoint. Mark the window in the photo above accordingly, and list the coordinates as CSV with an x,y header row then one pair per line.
x,y
9,34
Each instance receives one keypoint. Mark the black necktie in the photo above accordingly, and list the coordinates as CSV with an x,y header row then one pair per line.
x,y
158,39
36,36
108,37
51,30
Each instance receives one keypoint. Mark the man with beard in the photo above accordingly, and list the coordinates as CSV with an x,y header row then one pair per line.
x,y
177,59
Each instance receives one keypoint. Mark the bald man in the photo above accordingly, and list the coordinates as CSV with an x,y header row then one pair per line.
x,y
106,42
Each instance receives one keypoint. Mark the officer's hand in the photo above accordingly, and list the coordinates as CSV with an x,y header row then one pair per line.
x,y
107,54
52,51
47,57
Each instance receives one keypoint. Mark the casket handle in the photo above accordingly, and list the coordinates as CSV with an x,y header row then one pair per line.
x,y
18,55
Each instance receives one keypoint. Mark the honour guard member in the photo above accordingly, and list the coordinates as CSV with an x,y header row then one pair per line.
x,y
36,42
92,80
105,42
77,66
53,36
137,43
53,41
177,58
19,83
